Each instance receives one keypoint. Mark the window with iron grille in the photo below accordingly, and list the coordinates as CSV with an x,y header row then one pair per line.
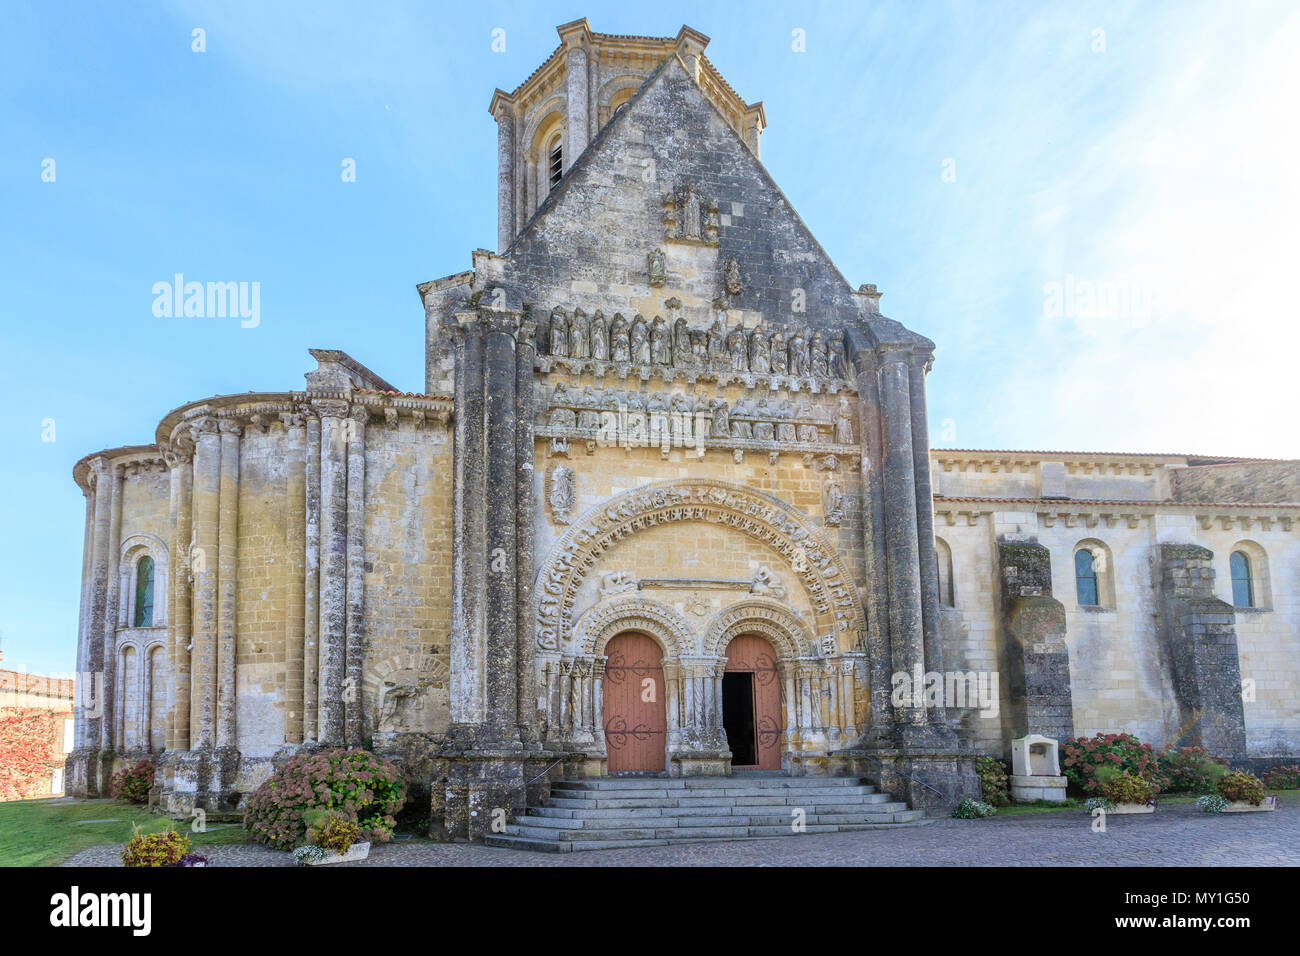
x,y
556,164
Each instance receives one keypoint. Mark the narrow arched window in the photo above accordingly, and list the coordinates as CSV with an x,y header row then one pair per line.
x,y
1085,578
144,592
1243,588
555,162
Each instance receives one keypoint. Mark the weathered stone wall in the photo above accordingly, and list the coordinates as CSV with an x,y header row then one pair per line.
x,y
1121,677
592,252
1277,481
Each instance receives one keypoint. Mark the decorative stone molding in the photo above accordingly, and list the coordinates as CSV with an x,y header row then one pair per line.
x,y
665,624
788,633
823,573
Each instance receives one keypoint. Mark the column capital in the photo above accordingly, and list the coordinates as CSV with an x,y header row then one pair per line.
x,y
294,419
202,427
330,407
229,426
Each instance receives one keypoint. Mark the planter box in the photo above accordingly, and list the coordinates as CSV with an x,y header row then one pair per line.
x,y
1242,806
1133,808
357,851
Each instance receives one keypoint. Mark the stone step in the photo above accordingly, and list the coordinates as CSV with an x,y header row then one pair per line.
x,y
870,803
887,813
544,844
793,798
788,796
604,813
737,781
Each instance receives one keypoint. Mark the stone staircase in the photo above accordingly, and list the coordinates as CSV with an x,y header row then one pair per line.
x,y
609,812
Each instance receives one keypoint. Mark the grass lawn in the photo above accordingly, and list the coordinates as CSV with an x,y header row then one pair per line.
x,y
47,832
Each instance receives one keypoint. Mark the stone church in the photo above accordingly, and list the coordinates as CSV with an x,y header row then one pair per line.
x,y
666,505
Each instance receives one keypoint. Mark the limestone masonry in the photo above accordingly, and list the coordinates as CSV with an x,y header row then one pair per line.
x,y
665,505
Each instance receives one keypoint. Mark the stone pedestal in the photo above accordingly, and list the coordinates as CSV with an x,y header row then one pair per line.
x,y
1030,787
474,793
933,780
700,763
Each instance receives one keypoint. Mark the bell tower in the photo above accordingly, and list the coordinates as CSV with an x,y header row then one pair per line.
x,y
548,121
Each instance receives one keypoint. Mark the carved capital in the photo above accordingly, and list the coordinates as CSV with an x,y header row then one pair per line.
x,y
229,426
200,428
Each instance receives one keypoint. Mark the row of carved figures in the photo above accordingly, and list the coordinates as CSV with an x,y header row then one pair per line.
x,y
795,352
789,422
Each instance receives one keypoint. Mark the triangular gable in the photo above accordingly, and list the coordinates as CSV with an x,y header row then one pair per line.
x,y
588,245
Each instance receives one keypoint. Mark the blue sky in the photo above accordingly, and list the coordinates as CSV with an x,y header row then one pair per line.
x,y
969,158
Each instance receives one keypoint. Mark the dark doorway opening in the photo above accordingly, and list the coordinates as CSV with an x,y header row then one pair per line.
x,y
738,717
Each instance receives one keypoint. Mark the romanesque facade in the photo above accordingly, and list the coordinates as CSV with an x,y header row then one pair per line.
x,y
666,504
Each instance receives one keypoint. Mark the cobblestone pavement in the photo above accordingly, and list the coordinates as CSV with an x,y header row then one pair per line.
x,y
1177,835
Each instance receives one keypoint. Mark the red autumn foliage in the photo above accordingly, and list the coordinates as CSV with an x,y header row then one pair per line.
x,y
27,737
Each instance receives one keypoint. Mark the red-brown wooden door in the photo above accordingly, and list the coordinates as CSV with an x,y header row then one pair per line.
x,y
634,718
751,653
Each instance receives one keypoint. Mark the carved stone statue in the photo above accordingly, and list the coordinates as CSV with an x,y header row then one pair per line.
x,y
717,333
721,424
661,344
560,493
580,336
739,427
817,352
833,500
839,364
691,214
767,583
658,268
736,346
683,353
844,423
559,334
599,338
764,430
619,348
731,278
778,352
797,364
759,360
640,342
700,348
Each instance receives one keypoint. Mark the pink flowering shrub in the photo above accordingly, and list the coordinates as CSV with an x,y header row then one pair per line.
x,y
1090,761
366,788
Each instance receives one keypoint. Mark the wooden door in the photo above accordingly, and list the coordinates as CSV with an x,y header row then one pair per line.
x,y
635,718
748,652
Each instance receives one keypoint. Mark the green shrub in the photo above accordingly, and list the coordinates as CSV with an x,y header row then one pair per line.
x,y
1085,756
993,781
1125,787
1240,785
1283,778
970,809
330,830
132,784
365,788
1191,769
1099,803
1211,803
155,849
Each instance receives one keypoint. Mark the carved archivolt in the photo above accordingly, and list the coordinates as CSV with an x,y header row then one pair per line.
x,y
773,620
823,573
663,623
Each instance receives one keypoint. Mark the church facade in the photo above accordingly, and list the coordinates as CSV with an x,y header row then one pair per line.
x,y
665,504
